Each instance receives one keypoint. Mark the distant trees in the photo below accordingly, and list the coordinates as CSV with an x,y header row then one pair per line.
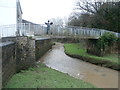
x,y
57,21
104,15
82,20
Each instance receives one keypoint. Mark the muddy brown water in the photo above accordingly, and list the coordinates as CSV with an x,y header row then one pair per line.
x,y
96,75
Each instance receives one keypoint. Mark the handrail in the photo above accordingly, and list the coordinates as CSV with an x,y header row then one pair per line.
x,y
28,29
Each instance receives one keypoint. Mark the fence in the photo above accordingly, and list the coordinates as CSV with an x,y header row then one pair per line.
x,y
7,30
32,29
28,29
24,29
78,31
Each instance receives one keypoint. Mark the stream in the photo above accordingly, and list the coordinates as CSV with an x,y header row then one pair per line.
x,y
99,76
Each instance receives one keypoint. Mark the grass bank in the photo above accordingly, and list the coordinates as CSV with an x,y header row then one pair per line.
x,y
78,51
44,77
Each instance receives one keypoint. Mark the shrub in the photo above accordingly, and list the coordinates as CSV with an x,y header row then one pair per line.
x,y
30,37
106,40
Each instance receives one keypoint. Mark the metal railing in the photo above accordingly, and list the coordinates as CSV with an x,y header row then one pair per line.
x,y
78,31
7,30
28,29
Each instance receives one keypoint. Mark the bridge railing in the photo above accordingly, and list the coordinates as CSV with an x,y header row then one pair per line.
x,y
28,29
79,31
7,30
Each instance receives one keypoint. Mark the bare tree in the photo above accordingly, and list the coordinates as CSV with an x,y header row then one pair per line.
x,y
103,15
89,6
57,21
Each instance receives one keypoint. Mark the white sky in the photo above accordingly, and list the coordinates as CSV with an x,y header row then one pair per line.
x,y
39,11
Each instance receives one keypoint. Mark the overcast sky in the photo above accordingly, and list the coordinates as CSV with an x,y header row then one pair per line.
x,y
39,11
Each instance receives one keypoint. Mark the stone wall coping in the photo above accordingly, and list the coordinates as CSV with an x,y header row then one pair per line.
x,y
93,39
12,37
6,43
9,37
42,38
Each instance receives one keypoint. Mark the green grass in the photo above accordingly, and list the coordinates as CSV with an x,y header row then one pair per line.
x,y
77,49
44,77
112,57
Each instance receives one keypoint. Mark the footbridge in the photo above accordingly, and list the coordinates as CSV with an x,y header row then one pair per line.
x,y
29,29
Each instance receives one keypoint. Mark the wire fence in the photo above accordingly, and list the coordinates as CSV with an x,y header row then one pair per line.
x,y
28,29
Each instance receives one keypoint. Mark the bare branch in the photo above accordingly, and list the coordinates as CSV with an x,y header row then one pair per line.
x,y
91,7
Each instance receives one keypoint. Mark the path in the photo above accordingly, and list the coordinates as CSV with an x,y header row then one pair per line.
x,y
98,76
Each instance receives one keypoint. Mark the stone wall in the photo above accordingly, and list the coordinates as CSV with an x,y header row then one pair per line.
x,y
21,54
41,47
8,61
91,47
25,53
66,40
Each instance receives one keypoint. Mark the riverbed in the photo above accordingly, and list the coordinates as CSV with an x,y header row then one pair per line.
x,y
99,76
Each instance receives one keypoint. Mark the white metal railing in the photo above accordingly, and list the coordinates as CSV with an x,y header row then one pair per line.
x,y
28,29
7,30
81,31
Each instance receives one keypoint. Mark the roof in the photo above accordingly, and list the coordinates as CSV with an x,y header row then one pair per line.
x,y
25,21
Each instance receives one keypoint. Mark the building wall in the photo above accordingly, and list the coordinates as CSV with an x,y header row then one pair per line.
x,y
19,12
19,18
7,17
9,12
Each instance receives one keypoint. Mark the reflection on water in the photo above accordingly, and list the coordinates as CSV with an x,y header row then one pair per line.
x,y
99,76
